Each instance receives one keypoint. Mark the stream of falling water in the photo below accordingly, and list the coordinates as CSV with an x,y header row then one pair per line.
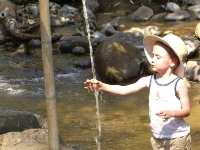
x,y
96,92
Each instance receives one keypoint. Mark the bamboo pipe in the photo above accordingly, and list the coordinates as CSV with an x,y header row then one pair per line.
x,y
48,74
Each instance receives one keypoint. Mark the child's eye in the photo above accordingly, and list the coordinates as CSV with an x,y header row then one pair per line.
x,y
158,57
155,56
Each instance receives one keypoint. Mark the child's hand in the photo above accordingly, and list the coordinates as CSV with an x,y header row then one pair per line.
x,y
93,84
165,114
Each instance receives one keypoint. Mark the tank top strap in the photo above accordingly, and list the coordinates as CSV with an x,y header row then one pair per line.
x,y
151,80
177,79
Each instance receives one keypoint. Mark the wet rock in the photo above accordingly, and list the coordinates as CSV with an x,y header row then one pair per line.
x,y
19,121
192,70
108,30
66,10
98,38
34,43
93,5
111,27
31,9
86,63
193,2
33,139
117,61
56,37
194,8
54,9
191,44
67,43
114,23
197,14
172,6
91,16
152,30
133,37
142,14
78,50
22,130
23,2
158,16
65,15
4,40
60,21
177,15
91,21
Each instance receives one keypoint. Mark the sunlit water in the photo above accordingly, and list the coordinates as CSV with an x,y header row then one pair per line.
x,y
124,119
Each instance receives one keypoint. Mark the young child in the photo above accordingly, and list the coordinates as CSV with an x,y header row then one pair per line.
x,y
168,94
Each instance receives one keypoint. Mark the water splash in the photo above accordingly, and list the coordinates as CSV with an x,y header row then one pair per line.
x,y
96,92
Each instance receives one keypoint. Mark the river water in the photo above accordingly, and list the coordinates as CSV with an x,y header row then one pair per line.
x,y
124,119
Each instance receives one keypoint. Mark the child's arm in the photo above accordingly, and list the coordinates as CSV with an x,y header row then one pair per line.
x,y
117,89
182,92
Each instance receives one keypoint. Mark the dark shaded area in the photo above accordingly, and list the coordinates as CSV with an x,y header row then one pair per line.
x,y
12,121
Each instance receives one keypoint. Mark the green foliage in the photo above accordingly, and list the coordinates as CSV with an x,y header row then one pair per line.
x,y
82,33
143,1
131,1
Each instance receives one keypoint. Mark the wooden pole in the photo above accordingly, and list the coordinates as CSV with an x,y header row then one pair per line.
x,y
48,75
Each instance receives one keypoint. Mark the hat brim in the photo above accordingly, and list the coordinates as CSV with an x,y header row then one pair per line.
x,y
149,41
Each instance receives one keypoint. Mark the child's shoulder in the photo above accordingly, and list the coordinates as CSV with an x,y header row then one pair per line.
x,y
146,80
181,83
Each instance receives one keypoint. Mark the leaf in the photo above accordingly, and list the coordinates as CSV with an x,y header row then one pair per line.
x,y
80,32
131,1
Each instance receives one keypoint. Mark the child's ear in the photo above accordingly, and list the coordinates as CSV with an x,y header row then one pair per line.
x,y
173,62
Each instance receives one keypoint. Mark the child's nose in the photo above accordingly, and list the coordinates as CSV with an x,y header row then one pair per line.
x,y
153,59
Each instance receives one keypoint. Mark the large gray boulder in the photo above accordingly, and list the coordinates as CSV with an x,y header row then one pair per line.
x,y
131,36
117,61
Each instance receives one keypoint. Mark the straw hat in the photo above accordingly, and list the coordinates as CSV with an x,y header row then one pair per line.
x,y
171,40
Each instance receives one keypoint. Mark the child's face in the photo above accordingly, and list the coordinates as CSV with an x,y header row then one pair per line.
x,y
161,60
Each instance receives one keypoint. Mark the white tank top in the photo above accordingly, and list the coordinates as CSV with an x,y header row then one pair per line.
x,y
163,97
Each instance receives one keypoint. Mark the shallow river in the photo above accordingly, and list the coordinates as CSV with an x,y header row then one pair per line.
x,y
124,119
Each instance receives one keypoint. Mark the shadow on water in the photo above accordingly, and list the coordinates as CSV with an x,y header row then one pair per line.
x,y
125,121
